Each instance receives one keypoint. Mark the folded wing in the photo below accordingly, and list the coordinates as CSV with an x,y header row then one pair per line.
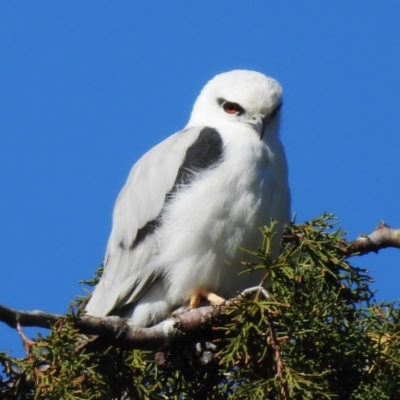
x,y
125,277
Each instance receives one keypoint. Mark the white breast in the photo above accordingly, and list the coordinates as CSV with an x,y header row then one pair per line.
x,y
227,205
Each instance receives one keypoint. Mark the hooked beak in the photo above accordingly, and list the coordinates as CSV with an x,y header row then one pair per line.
x,y
259,123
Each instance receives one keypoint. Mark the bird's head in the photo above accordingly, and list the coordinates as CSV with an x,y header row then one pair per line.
x,y
245,97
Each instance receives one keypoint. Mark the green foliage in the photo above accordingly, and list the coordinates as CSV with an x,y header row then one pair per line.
x,y
58,367
317,334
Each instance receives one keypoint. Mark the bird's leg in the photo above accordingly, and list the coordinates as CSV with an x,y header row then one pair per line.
x,y
196,298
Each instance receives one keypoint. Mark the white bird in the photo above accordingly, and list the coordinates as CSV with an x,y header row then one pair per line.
x,y
193,199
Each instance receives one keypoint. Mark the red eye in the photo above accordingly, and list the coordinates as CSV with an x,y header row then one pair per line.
x,y
232,108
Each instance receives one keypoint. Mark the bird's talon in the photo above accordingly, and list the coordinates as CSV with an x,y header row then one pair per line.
x,y
214,299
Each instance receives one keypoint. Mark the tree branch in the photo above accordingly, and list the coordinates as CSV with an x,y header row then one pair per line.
x,y
116,330
381,238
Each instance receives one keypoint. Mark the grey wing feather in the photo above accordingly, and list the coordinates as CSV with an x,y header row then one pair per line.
x,y
125,277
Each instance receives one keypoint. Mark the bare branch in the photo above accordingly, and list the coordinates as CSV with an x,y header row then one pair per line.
x,y
117,331
40,319
381,238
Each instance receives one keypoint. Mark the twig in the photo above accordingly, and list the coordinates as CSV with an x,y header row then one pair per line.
x,y
26,342
257,289
278,356
274,340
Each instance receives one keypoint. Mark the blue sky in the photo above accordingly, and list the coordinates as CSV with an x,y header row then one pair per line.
x,y
87,87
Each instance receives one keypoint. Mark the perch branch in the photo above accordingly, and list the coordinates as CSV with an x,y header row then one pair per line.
x,y
117,331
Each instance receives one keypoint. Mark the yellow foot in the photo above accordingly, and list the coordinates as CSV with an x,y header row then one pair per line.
x,y
195,300
214,299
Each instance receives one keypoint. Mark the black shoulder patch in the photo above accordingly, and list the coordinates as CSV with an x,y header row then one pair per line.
x,y
205,152
150,227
